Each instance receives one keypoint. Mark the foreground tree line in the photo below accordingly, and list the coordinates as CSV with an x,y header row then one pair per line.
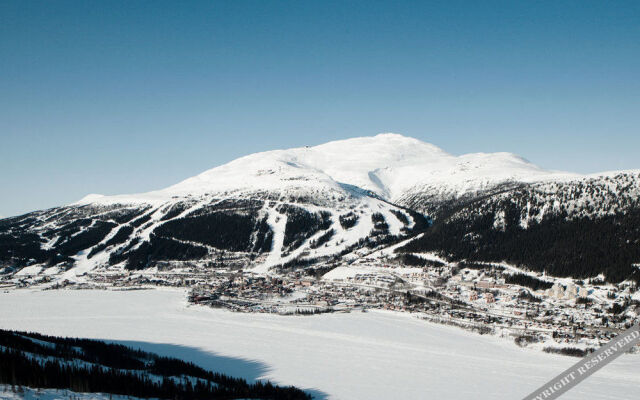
x,y
81,365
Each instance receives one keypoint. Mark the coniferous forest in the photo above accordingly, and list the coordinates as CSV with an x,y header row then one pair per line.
x,y
578,230
82,365
580,248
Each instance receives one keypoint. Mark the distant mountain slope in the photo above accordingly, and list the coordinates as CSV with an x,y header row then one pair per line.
x,y
253,229
390,166
580,228
322,202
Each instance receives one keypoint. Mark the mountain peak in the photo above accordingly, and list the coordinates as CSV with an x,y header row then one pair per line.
x,y
90,198
394,143
388,164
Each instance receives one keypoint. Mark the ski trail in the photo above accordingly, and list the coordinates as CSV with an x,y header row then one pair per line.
x,y
277,222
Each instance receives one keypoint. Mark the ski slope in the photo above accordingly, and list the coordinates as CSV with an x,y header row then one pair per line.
x,y
387,176
376,355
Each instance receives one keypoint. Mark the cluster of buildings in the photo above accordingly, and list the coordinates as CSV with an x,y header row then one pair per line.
x,y
477,299
470,296
571,292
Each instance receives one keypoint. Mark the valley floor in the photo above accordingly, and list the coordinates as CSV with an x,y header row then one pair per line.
x,y
374,355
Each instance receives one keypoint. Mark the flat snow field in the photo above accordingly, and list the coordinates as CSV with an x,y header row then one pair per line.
x,y
375,355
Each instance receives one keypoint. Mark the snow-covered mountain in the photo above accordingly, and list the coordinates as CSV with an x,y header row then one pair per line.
x,y
388,165
309,204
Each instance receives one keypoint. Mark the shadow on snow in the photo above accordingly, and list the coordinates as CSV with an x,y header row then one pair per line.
x,y
250,370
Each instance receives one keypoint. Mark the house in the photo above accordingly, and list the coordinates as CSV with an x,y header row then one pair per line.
x,y
489,298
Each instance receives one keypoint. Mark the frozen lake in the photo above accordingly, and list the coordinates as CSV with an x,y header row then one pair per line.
x,y
375,355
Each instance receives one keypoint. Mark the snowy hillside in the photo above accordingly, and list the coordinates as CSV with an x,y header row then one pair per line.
x,y
579,228
49,367
315,204
389,165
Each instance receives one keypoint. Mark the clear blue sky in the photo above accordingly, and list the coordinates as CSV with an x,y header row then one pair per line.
x,y
117,97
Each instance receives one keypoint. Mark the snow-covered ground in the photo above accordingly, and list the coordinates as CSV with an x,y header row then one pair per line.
x,y
375,355
363,179
26,393
387,164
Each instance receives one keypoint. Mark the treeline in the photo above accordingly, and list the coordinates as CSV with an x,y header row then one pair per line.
x,y
302,224
297,263
527,296
420,222
401,217
222,230
579,248
380,226
90,236
528,281
157,249
415,261
568,351
264,236
121,236
78,228
84,365
348,220
24,247
324,238
21,247
170,241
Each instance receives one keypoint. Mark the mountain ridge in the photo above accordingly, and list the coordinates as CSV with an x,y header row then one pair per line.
x,y
313,205
381,164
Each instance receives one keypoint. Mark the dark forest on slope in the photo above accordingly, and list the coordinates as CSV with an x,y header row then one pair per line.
x,y
580,248
82,365
588,228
